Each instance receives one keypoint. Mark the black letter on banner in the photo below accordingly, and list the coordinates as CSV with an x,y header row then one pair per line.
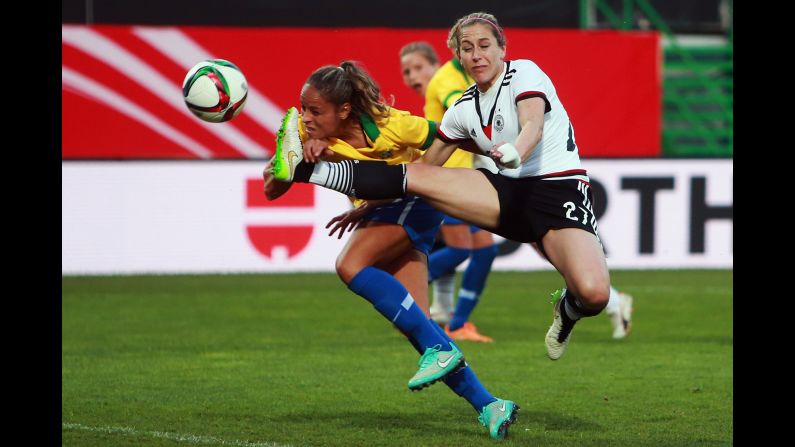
x,y
647,187
700,213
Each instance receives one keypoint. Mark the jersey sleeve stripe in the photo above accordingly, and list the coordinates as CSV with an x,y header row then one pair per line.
x,y
432,129
447,139
567,173
531,94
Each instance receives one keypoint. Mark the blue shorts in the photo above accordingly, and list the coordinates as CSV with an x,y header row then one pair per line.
x,y
420,220
450,220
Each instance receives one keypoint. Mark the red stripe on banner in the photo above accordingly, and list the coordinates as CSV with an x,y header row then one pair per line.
x,y
299,194
609,82
101,127
292,238
176,73
105,143
243,122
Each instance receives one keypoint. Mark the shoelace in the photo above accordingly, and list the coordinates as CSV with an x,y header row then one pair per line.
x,y
428,357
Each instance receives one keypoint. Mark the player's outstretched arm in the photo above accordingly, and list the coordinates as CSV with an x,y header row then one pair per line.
x,y
531,121
438,153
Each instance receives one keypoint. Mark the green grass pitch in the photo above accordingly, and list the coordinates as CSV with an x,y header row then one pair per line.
x,y
299,360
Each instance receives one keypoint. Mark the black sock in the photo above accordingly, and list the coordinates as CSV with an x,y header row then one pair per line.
x,y
577,307
358,178
378,180
303,171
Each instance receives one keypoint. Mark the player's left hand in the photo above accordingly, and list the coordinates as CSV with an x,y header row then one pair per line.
x,y
348,221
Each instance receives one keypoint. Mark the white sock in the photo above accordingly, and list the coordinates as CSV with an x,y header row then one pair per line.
x,y
320,173
336,176
613,302
443,288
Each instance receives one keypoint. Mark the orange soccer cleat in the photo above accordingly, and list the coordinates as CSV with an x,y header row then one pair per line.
x,y
467,332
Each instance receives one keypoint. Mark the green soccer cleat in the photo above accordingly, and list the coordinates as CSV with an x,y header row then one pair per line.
x,y
435,364
559,333
289,148
498,416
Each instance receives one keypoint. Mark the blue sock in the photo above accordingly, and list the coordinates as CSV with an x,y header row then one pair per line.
x,y
394,302
472,284
445,260
465,383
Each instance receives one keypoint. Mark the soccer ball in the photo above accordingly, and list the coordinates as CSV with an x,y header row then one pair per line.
x,y
215,90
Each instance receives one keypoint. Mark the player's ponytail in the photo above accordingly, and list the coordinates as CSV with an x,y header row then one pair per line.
x,y
349,83
366,96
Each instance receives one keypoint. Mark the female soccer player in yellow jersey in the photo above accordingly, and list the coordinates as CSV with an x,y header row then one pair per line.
x,y
441,87
345,120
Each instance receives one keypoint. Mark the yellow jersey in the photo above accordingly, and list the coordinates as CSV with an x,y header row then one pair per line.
x,y
446,86
397,139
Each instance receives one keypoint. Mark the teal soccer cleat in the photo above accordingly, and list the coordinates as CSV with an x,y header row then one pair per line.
x,y
435,364
498,416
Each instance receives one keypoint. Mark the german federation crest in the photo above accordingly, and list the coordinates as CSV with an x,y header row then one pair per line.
x,y
499,123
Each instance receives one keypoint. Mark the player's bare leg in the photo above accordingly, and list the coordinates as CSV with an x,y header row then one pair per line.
x,y
579,257
373,243
411,269
463,193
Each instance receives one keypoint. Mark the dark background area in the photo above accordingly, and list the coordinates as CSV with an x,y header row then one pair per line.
x,y
683,16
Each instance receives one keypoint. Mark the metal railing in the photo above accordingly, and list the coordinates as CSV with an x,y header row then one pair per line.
x,y
698,81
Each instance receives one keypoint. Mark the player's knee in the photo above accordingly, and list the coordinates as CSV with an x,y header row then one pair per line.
x,y
594,294
346,270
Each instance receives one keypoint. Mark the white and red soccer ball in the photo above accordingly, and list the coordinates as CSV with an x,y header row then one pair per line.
x,y
215,90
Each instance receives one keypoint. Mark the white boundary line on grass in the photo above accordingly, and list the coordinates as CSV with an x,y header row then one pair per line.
x,y
179,437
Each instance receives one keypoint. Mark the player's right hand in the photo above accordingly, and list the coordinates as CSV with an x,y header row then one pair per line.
x,y
505,154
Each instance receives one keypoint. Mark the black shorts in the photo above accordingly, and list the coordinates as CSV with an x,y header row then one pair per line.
x,y
531,206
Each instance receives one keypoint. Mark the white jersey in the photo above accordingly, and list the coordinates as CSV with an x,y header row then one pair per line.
x,y
492,117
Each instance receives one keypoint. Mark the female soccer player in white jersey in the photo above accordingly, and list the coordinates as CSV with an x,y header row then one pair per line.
x,y
541,193
441,87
